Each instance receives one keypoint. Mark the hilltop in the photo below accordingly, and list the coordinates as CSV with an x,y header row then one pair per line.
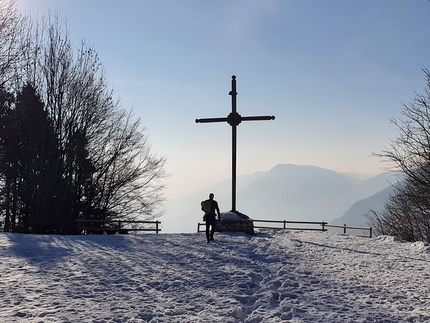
x,y
269,277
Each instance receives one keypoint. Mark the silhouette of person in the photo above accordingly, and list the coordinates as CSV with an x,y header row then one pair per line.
x,y
211,217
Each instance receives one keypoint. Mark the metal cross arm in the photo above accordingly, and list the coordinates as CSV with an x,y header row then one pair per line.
x,y
234,119
210,120
258,118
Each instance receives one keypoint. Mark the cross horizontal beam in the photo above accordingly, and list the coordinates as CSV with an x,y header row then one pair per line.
x,y
209,120
251,118
258,118
234,119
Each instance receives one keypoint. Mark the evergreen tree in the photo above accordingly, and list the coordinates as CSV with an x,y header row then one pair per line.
x,y
67,149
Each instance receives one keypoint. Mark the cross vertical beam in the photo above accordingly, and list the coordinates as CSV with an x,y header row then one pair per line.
x,y
234,119
233,125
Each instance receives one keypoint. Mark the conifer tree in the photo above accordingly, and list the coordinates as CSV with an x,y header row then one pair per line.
x,y
68,149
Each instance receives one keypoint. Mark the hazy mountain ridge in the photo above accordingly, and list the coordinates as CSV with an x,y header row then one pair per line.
x,y
296,193
286,192
355,215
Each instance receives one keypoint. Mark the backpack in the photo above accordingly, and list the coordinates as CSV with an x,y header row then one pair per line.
x,y
206,206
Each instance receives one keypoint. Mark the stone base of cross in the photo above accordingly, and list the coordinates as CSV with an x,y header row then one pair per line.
x,y
234,119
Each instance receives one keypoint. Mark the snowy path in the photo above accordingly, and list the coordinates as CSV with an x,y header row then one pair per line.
x,y
290,276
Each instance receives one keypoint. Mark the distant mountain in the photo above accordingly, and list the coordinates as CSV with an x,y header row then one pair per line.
x,y
307,193
290,192
378,183
360,177
286,192
355,216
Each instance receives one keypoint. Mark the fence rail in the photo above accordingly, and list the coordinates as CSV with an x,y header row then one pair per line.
x,y
87,226
304,225
310,225
344,227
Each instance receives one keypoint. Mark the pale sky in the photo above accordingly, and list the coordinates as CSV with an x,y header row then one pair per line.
x,y
332,72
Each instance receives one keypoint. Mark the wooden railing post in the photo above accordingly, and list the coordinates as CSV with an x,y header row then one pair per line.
x,y
199,225
344,228
370,232
285,224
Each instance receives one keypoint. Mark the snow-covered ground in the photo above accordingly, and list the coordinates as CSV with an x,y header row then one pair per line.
x,y
287,276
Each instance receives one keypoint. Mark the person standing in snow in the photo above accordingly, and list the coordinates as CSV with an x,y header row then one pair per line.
x,y
210,206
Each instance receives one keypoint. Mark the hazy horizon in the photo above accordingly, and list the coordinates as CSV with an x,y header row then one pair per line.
x,y
184,193
287,192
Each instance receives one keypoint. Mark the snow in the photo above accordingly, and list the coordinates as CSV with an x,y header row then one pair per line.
x,y
289,276
230,216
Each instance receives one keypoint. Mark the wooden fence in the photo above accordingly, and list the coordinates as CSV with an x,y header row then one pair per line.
x,y
114,226
344,227
301,225
282,225
292,225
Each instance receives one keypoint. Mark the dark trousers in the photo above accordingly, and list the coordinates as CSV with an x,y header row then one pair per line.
x,y
210,223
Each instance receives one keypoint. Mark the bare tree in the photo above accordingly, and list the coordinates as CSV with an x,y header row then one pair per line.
x,y
11,31
407,212
107,168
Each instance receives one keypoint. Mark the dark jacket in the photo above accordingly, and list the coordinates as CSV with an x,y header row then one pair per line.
x,y
214,208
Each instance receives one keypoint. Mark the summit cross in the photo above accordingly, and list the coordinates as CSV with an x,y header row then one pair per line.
x,y
234,119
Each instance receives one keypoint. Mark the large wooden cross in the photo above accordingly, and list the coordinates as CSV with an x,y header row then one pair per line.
x,y
234,119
